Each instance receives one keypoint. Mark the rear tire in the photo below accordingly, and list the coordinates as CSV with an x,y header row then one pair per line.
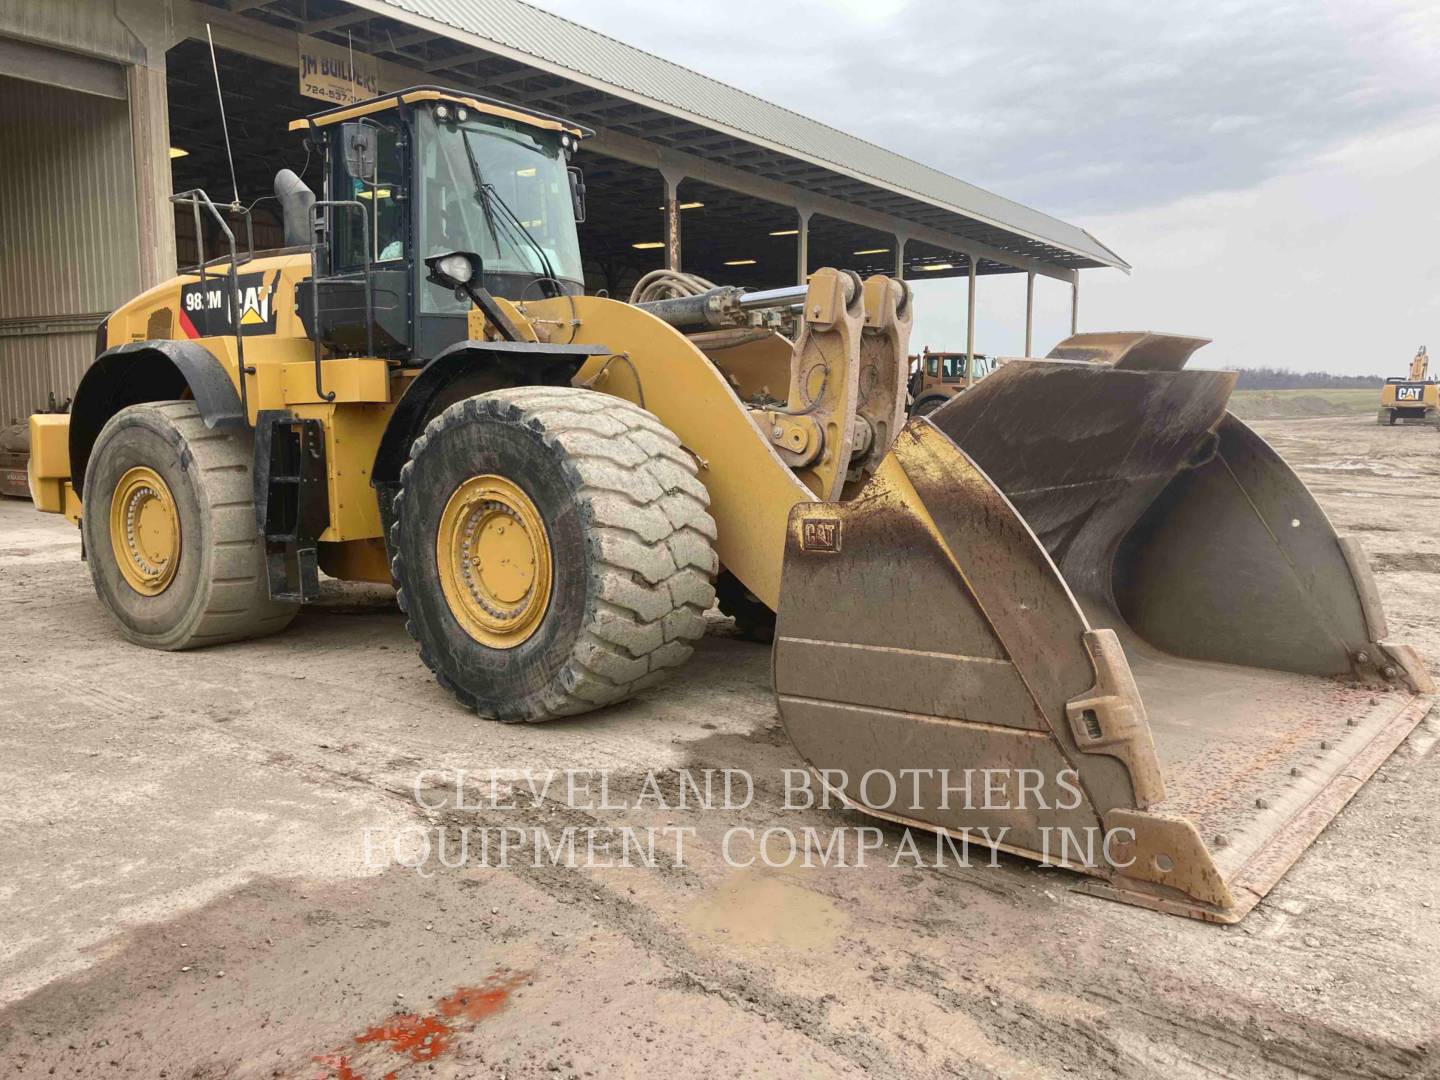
x,y
213,587
619,537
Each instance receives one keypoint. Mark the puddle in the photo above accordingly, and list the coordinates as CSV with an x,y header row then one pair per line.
x,y
754,908
413,1037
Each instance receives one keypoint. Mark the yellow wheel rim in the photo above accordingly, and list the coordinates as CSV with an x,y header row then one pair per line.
x,y
494,559
145,531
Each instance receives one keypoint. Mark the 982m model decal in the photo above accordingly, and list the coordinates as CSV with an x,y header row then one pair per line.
x,y
205,308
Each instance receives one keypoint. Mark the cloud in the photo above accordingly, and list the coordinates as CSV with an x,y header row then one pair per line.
x,y
1074,108
1330,267
1269,169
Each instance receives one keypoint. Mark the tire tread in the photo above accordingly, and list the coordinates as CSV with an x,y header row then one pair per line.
x,y
648,532
222,459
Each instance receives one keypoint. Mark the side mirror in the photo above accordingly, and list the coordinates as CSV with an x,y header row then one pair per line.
x,y
459,270
577,192
358,141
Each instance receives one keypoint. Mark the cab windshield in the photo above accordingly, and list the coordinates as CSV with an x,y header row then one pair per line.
x,y
501,191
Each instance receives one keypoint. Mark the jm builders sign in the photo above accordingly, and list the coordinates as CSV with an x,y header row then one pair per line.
x,y
336,74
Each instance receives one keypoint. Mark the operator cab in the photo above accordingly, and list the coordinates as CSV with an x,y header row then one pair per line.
x,y
952,367
417,175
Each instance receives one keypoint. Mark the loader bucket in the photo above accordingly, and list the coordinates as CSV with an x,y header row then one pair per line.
x,y
1091,580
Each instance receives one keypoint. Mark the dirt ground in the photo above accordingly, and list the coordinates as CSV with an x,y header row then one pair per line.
x,y
187,893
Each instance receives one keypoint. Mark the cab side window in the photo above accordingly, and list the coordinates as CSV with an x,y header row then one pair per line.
x,y
385,204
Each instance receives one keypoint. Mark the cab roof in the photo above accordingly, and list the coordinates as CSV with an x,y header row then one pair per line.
x,y
489,106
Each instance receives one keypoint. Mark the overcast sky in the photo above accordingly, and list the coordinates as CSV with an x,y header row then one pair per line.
x,y
1269,168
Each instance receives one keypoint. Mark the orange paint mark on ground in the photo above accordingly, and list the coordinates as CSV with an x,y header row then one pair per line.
x,y
339,1063
473,1003
424,1038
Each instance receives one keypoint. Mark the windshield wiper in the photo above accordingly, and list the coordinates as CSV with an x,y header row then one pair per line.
x,y
518,228
484,193
481,189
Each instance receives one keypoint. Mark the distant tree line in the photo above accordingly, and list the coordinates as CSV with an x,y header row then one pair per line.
x,y
1273,378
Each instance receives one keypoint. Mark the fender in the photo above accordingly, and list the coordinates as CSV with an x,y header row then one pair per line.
x,y
147,371
463,370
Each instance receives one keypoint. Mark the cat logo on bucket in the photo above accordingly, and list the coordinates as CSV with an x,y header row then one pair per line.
x,y
205,306
819,534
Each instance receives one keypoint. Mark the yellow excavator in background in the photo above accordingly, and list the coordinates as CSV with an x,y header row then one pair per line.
x,y
1082,570
1417,398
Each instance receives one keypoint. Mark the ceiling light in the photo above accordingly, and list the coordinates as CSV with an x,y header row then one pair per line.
x,y
739,262
871,251
175,152
938,266
687,206
648,245
382,193
785,232
525,172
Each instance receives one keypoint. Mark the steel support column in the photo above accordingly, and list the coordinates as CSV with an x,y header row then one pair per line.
x,y
152,27
672,218
900,242
970,316
802,247
1029,309
1075,305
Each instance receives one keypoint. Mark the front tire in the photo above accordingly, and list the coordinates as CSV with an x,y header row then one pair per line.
x,y
170,531
926,406
552,549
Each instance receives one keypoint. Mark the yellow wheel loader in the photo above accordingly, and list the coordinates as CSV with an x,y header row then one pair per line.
x,y
936,377
1082,580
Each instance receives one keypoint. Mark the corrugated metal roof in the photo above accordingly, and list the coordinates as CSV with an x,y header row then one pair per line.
x,y
550,40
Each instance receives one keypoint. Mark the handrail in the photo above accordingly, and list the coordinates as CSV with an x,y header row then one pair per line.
x,y
194,197
315,216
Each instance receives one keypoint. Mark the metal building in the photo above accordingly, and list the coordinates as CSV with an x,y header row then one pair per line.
x,y
107,106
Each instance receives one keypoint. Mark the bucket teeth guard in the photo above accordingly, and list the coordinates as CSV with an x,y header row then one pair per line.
x,y
1093,580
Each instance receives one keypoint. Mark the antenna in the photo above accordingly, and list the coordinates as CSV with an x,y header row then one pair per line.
x,y
350,44
224,127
